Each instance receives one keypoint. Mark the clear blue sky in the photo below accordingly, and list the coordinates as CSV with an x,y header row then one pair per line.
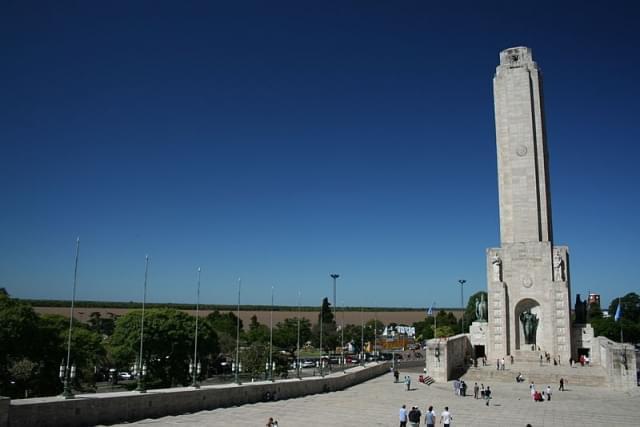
x,y
283,141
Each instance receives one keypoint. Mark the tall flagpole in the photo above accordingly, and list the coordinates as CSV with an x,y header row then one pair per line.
x,y
435,322
237,367
298,346
271,339
194,367
141,368
67,393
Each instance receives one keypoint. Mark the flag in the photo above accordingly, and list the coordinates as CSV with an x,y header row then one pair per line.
x,y
618,311
430,311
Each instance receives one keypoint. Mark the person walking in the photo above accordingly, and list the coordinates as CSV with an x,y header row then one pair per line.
x,y
403,416
446,417
502,364
414,417
561,385
476,389
487,395
430,417
407,381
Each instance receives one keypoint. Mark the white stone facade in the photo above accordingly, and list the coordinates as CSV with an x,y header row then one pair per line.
x,y
527,273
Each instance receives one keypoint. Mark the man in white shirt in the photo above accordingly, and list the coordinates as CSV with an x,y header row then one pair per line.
x,y
403,416
430,417
445,417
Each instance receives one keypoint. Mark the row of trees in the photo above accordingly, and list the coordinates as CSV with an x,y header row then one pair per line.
x,y
32,346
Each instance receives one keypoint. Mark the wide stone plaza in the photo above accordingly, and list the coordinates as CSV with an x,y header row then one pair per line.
x,y
376,403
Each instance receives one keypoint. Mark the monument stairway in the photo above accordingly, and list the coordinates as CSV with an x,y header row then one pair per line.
x,y
547,374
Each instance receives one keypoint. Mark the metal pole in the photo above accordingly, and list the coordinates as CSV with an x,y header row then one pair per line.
x,y
141,388
195,347
342,338
271,339
335,301
321,322
435,322
237,364
298,346
362,336
462,282
375,335
67,393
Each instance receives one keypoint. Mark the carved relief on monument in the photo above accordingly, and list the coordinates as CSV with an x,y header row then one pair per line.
x,y
558,267
481,309
496,265
529,326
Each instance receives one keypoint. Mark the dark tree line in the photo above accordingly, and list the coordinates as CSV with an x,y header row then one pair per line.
x,y
32,346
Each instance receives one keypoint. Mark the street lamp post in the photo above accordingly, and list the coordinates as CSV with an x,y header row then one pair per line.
x,y
462,282
195,368
342,338
237,364
69,373
141,368
271,339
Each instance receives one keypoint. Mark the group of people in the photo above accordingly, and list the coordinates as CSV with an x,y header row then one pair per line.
x,y
582,360
539,396
459,388
480,392
500,363
414,415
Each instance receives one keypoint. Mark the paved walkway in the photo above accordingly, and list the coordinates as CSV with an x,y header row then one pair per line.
x,y
376,403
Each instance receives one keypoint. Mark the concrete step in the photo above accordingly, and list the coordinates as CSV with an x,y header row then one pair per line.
x,y
547,375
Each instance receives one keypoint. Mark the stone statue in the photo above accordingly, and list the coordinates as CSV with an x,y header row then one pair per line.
x,y
497,268
580,310
529,326
558,272
481,309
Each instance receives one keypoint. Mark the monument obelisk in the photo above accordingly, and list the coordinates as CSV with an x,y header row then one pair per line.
x,y
527,276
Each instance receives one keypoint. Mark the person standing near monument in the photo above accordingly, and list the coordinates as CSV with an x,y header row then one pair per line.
x,y
476,389
446,417
414,417
430,417
403,416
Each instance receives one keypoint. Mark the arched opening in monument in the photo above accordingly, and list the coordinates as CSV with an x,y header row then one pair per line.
x,y
527,324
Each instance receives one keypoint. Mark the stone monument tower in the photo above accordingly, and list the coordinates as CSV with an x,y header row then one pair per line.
x,y
527,276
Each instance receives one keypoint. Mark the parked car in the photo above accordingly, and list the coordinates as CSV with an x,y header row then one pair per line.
x,y
125,376
308,363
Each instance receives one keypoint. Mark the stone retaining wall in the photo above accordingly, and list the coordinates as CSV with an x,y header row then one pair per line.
x,y
110,408
618,361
